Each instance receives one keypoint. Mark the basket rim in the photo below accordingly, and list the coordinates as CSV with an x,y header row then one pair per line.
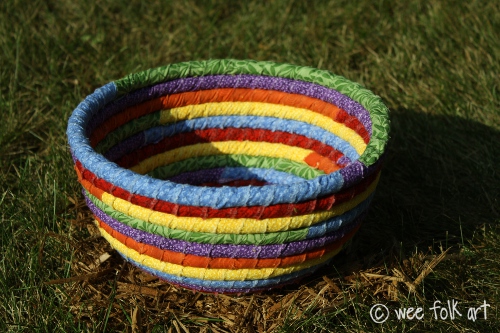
x,y
228,197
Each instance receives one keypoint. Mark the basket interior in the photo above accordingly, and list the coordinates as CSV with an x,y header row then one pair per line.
x,y
235,134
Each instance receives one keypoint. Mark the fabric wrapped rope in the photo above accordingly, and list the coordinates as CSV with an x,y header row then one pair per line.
x,y
229,176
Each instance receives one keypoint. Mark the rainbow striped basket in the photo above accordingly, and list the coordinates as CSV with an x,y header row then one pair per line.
x,y
229,176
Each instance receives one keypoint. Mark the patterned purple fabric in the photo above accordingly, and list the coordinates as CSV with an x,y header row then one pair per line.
x,y
356,171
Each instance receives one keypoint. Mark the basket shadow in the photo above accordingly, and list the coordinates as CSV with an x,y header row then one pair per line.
x,y
440,182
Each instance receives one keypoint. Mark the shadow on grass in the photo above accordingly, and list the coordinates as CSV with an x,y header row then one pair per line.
x,y
440,183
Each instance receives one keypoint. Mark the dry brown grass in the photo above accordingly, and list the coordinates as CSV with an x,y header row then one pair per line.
x,y
102,284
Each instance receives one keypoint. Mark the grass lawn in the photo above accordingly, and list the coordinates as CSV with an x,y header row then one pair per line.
x,y
433,231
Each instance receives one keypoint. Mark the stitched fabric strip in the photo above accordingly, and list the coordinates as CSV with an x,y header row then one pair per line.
x,y
231,225
183,259
326,227
98,186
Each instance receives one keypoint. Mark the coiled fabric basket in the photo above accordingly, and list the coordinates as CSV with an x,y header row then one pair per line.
x,y
226,175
